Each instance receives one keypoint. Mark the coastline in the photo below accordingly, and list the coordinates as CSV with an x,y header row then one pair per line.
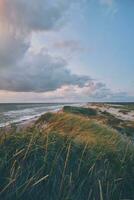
x,y
63,147
24,123
20,126
28,122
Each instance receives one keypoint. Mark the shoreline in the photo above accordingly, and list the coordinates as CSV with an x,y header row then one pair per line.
x,y
25,121
28,122
18,126
24,124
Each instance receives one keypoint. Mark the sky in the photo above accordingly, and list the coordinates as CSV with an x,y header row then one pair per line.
x,y
66,50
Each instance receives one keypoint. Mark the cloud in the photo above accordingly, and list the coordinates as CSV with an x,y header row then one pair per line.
x,y
39,73
12,48
33,15
93,91
25,75
21,71
20,18
71,45
77,93
69,93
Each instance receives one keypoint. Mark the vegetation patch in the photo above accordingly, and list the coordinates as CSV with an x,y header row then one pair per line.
x,y
73,158
80,111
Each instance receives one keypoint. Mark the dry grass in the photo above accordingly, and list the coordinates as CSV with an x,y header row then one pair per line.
x,y
72,158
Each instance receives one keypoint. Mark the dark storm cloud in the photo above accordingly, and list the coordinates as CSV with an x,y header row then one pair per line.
x,y
39,73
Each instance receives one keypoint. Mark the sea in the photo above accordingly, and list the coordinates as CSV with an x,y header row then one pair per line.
x,y
11,113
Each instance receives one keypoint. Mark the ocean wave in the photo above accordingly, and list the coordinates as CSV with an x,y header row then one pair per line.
x,y
19,116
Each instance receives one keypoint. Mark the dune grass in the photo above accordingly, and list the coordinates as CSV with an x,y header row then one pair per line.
x,y
80,111
66,157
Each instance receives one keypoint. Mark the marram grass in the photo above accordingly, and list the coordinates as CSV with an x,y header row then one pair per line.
x,y
66,157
